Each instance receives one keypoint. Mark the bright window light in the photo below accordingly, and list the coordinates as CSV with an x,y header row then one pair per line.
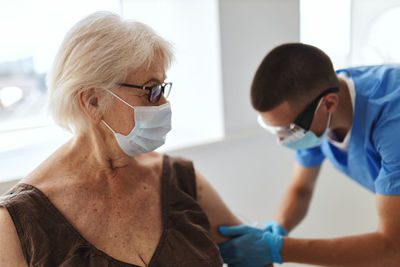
x,y
10,95
326,24
32,35
381,43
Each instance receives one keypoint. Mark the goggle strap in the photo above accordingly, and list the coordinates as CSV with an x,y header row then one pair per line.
x,y
305,120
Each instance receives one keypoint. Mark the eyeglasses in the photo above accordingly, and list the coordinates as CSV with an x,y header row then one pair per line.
x,y
155,91
303,121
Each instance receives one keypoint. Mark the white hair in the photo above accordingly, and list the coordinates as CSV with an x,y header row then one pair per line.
x,y
98,52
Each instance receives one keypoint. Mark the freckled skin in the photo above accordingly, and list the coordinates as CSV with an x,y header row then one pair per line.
x,y
112,199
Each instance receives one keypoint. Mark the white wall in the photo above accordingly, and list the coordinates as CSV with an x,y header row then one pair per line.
x,y
249,29
248,168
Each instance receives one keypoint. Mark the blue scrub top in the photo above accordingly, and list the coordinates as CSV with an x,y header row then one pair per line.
x,y
373,156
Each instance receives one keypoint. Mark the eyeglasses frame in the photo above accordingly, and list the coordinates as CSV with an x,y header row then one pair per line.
x,y
150,89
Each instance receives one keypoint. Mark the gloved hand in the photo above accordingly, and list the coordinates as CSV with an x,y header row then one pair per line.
x,y
275,228
250,246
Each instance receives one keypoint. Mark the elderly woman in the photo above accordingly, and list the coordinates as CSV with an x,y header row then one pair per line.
x,y
105,198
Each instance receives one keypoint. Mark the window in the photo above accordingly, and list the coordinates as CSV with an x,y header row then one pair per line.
x,y
352,32
326,24
31,36
375,26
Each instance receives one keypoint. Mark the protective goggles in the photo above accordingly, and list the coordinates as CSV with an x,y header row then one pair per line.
x,y
303,121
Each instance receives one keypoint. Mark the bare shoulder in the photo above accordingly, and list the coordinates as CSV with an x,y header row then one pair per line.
x,y
216,210
55,165
151,161
50,173
9,242
155,157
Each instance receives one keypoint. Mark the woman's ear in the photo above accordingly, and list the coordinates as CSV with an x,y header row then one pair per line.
x,y
89,103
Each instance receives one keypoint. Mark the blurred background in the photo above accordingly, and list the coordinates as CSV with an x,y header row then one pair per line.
x,y
218,45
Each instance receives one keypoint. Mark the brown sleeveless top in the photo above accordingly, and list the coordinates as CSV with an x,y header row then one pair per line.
x,y
48,239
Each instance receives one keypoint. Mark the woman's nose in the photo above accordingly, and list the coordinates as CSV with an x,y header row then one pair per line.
x,y
162,101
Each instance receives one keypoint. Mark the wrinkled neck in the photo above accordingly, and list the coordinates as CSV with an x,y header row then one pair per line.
x,y
98,149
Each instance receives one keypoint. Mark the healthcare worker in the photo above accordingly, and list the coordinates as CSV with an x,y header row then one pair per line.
x,y
352,118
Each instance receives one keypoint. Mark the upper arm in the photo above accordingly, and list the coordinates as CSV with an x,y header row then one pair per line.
x,y
216,210
304,178
389,225
311,157
389,217
307,166
10,247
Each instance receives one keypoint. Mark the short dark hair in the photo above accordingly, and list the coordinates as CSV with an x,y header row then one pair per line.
x,y
292,72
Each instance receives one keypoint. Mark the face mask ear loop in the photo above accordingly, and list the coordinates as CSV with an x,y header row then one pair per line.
x,y
329,117
108,126
120,99
329,120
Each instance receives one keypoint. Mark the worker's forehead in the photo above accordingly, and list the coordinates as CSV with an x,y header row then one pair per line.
x,y
282,115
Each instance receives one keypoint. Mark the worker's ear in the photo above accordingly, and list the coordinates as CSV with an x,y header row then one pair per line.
x,y
89,102
331,102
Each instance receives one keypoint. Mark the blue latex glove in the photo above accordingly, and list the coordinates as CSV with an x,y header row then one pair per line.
x,y
275,228
250,247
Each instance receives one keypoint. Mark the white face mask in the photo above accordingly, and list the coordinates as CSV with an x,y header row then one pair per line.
x,y
152,123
